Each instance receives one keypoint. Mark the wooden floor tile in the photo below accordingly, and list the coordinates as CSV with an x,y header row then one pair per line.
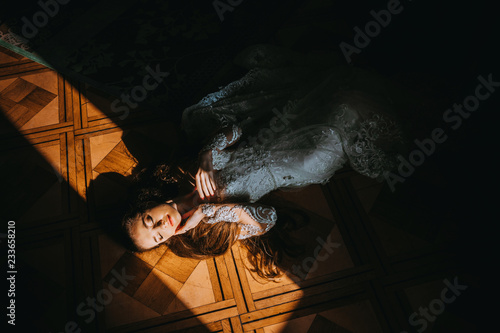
x,y
124,309
102,145
5,58
110,252
310,198
358,317
196,291
157,291
133,266
298,325
176,267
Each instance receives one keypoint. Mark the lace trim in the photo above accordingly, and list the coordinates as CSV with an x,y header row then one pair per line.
x,y
235,135
224,213
223,106
208,210
250,177
250,229
362,143
219,143
263,215
220,159
229,90
15,40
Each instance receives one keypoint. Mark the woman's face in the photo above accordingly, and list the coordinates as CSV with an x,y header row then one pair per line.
x,y
155,225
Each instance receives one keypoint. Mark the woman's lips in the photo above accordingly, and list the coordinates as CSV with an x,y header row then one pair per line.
x,y
170,221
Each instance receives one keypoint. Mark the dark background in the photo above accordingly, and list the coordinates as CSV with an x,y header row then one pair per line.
x,y
434,49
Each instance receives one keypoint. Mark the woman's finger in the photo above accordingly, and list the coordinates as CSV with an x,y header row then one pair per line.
x,y
199,186
212,181
208,181
204,184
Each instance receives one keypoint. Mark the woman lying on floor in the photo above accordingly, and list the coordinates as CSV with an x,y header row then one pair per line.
x,y
290,122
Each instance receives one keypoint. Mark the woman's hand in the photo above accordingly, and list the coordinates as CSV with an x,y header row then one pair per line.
x,y
192,221
205,183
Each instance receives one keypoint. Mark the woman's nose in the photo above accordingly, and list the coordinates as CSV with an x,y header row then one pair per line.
x,y
162,223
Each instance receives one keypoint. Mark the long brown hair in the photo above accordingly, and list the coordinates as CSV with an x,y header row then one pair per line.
x,y
265,252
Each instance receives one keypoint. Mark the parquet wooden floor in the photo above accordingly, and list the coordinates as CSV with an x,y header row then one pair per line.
x,y
372,257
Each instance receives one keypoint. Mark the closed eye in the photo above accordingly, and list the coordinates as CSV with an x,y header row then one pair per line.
x,y
148,221
158,238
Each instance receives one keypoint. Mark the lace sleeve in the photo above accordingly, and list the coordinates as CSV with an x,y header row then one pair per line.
x,y
253,219
264,215
221,141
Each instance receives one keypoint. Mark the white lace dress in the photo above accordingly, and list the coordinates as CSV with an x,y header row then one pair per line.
x,y
312,119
